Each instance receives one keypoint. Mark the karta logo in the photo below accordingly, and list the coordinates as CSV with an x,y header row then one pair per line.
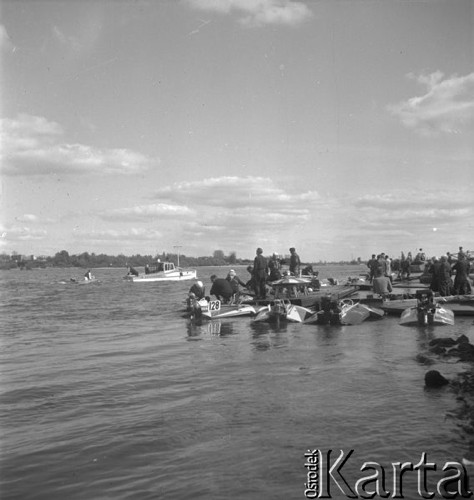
x,y
325,476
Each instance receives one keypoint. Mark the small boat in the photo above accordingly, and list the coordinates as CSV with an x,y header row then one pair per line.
x,y
435,315
354,313
284,310
426,312
215,309
162,271
461,305
80,281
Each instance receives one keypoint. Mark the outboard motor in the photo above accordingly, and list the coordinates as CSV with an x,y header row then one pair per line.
x,y
425,307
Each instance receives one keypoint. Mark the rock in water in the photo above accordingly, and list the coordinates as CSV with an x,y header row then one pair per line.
x,y
434,379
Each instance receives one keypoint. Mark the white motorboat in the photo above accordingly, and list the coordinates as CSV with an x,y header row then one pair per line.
x,y
283,309
215,309
162,271
354,313
426,312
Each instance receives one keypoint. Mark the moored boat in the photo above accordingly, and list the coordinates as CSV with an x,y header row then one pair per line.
x,y
426,312
284,310
215,309
354,313
460,305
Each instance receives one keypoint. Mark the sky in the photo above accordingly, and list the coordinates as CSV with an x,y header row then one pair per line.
x,y
341,128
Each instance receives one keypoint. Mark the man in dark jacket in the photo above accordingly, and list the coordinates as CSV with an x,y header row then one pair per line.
x,y
461,280
221,288
294,262
260,273
445,283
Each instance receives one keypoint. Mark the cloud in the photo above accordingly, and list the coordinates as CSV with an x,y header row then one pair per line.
x,y
150,212
33,145
414,212
131,234
6,43
238,192
22,233
27,218
259,13
447,106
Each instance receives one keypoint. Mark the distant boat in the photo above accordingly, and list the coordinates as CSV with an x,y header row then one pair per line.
x,y
162,271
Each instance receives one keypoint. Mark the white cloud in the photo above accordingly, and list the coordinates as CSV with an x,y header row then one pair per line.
x,y
130,235
259,12
23,233
447,106
238,192
32,145
27,218
5,41
150,212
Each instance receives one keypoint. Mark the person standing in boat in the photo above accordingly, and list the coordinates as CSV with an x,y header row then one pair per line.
x,y
295,262
221,289
381,284
274,265
381,265
88,275
388,268
372,265
433,269
462,286
445,283
260,274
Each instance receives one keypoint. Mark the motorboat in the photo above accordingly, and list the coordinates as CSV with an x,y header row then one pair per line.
x,y
300,291
284,310
354,313
426,312
460,305
162,271
435,315
216,309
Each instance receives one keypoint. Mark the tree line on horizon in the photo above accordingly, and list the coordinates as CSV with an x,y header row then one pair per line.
x,y
93,260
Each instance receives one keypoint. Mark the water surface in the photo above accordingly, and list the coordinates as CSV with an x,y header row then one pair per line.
x,y
107,391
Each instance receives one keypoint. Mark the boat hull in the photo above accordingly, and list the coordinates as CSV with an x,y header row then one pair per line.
x,y
422,316
163,276
214,309
462,305
284,310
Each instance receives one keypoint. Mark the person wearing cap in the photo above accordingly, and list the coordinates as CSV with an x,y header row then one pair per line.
x,y
221,289
235,282
198,289
260,274
294,262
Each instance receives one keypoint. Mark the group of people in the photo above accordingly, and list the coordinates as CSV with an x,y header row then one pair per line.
x,y
262,271
441,271
380,273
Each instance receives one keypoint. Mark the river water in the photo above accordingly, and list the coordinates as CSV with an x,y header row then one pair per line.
x,y
108,392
